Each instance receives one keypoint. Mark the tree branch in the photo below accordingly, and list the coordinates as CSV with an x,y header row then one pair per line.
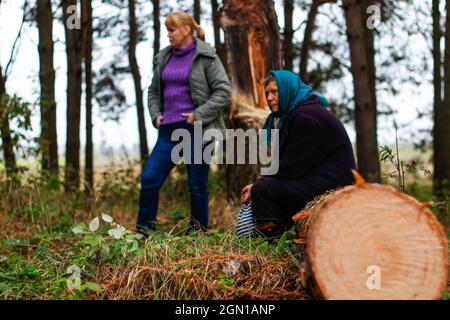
x,y
13,56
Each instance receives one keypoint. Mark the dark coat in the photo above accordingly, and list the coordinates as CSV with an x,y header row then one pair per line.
x,y
315,156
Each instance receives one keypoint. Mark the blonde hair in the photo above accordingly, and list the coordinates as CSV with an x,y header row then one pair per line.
x,y
181,19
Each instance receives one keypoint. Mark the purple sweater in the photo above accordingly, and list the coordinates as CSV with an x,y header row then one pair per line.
x,y
175,80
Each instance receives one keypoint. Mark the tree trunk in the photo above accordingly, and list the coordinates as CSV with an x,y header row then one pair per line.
x,y
137,81
5,132
197,11
365,108
89,152
437,101
441,108
361,237
74,43
307,38
370,49
156,27
49,141
446,106
220,47
8,144
288,34
253,41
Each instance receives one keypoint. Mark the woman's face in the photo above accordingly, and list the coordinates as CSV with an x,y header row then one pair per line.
x,y
272,95
179,37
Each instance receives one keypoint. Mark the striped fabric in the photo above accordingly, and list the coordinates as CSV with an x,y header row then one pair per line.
x,y
246,222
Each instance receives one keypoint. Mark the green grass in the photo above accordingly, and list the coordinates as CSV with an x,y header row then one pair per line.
x,y
39,247
39,267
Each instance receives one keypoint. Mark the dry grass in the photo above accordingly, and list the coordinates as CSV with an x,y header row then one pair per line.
x,y
209,273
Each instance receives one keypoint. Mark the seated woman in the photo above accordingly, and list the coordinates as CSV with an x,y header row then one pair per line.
x,y
315,155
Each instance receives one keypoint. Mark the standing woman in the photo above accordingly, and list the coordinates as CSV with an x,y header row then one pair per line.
x,y
189,84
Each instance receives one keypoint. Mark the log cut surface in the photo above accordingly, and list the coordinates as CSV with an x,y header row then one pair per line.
x,y
360,228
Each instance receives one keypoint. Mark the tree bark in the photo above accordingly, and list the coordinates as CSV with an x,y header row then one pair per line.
x,y
288,34
405,248
442,114
437,101
370,48
137,81
197,11
365,108
49,141
74,44
307,38
8,145
5,132
86,6
220,47
253,40
156,27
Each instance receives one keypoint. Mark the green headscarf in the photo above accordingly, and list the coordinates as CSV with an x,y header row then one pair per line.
x,y
292,92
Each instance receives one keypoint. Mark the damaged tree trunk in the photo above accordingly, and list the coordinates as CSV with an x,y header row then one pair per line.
x,y
370,241
253,41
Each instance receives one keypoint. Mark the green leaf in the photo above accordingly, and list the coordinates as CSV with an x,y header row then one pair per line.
x,y
7,276
92,286
225,281
78,229
92,241
3,287
94,225
107,218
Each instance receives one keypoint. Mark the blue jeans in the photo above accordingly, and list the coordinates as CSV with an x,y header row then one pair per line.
x,y
156,170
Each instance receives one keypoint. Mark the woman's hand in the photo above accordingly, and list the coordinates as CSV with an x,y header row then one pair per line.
x,y
158,121
246,194
189,117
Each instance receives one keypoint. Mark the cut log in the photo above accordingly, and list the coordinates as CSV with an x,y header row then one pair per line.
x,y
371,241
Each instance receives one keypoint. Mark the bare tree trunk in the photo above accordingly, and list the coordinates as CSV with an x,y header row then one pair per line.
x,y
253,40
365,109
74,43
89,152
442,118
8,145
197,11
137,81
5,131
288,34
49,141
370,49
437,101
220,47
307,38
156,27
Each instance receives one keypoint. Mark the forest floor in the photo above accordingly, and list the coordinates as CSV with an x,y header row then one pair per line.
x,y
48,238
